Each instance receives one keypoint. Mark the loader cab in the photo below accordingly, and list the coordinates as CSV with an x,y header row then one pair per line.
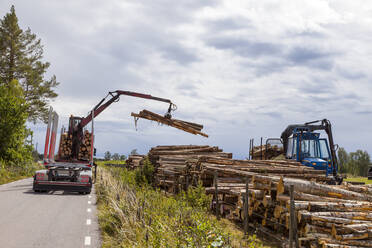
x,y
309,149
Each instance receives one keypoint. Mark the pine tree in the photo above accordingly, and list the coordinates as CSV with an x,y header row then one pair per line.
x,y
21,55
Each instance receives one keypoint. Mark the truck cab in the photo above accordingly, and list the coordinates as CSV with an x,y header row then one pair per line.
x,y
309,149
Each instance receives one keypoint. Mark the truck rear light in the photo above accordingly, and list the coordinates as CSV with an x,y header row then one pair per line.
x,y
39,176
84,179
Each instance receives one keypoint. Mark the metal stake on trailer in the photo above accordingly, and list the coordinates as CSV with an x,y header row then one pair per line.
x,y
92,140
47,136
261,150
92,149
252,149
53,137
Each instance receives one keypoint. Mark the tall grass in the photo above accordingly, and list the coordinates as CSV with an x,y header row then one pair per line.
x,y
9,173
132,215
359,179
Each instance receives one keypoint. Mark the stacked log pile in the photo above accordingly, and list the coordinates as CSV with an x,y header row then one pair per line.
x,y
327,215
189,127
65,147
85,147
266,152
134,161
173,163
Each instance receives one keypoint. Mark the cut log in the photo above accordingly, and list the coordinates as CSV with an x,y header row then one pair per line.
x,y
185,126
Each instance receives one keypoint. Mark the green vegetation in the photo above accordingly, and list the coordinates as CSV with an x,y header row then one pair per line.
x,y
21,55
146,174
359,179
13,131
133,214
111,162
24,95
16,156
354,163
12,173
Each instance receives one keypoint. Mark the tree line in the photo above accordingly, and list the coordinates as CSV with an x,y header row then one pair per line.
x,y
117,156
25,92
354,163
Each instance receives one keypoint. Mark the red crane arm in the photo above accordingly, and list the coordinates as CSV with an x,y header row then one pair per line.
x,y
114,98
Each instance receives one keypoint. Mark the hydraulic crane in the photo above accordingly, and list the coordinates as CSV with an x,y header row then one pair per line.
x,y
71,172
76,124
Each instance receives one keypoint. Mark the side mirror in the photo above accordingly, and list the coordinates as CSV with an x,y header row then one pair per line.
x,y
95,152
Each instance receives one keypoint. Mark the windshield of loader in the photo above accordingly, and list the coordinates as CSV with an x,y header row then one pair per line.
x,y
309,148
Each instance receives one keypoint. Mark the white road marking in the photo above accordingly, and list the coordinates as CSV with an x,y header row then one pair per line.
x,y
89,210
87,240
89,221
89,196
89,202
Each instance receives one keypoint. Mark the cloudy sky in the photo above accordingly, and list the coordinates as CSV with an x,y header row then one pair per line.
x,y
244,69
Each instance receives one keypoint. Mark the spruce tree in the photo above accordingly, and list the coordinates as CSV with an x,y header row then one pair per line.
x,y
21,55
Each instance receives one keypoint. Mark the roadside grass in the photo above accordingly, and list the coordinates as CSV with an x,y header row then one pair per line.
x,y
14,173
132,215
359,179
111,162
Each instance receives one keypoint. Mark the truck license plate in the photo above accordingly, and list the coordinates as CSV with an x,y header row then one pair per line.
x,y
63,173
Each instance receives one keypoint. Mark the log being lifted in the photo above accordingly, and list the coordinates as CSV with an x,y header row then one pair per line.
x,y
189,127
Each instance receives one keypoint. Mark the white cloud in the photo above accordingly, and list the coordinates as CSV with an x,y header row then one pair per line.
x,y
242,68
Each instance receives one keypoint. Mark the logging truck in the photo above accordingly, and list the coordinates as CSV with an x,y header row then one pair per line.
x,y
71,170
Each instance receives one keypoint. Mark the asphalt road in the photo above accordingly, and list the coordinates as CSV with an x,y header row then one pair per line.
x,y
54,219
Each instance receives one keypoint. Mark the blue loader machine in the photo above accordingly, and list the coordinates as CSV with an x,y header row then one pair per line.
x,y
303,144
